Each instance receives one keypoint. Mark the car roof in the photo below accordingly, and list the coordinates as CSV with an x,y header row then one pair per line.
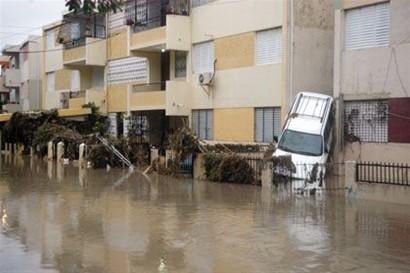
x,y
309,113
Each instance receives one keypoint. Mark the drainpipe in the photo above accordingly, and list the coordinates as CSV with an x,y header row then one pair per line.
x,y
291,40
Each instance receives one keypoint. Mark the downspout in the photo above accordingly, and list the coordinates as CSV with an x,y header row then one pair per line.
x,y
291,40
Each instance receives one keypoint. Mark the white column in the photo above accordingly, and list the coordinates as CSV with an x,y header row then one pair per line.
x,y
50,150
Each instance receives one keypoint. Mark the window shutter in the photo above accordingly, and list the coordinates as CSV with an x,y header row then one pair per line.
x,y
268,46
368,26
268,125
209,124
180,64
276,122
203,57
259,125
116,20
75,31
75,80
202,124
127,70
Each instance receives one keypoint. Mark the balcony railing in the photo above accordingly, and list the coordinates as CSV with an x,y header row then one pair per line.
x,y
66,96
148,14
154,86
77,28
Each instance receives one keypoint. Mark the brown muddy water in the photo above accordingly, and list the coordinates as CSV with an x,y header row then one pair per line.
x,y
70,220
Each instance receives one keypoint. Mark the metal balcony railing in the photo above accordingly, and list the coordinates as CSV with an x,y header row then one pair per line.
x,y
77,28
148,14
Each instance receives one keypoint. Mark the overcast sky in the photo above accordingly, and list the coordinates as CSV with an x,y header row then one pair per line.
x,y
19,18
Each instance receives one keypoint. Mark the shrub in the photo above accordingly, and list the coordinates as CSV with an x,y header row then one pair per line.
x,y
228,168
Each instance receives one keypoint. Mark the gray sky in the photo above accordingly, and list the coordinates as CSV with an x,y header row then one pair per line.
x,y
20,18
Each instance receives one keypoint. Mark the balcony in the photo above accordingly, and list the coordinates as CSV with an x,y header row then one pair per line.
x,y
12,107
165,27
12,77
147,97
171,96
83,38
72,102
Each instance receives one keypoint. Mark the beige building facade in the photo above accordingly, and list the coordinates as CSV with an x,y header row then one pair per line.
x,y
371,46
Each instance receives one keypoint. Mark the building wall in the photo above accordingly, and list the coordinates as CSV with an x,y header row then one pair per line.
x,y
117,96
374,73
117,45
234,124
311,48
224,18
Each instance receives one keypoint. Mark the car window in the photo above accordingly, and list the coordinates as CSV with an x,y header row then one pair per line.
x,y
301,143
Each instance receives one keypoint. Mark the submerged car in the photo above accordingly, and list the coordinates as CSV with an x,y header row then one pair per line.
x,y
307,136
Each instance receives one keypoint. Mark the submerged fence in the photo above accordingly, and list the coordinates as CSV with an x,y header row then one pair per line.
x,y
383,173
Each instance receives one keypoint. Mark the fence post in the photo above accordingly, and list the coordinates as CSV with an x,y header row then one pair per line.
x,y
81,152
50,150
350,176
267,175
60,151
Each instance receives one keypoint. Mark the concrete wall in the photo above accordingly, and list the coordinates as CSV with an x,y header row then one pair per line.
x,y
117,96
234,124
117,45
96,51
178,33
74,54
224,18
377,152
148,38
310,48
153,100
235,51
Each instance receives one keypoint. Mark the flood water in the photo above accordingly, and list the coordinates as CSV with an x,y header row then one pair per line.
x,y
70,220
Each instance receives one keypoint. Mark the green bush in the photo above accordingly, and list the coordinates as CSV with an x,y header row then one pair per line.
x,y
228,168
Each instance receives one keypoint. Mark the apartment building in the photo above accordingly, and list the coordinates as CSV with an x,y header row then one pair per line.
x,y
73,64
370,79
228,69
22,77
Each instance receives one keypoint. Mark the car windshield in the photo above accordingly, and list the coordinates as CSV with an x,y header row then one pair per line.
x,y
301,143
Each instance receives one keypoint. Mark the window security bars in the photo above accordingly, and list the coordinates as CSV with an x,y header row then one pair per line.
x,y
366,121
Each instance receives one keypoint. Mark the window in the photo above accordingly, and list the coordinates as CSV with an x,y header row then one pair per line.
x,y
127,70
180,64
301,143
50,39
268,48
75,31
98,78
51,82
197,3
267,124
75,80
367,26
202,123
366,121
203,57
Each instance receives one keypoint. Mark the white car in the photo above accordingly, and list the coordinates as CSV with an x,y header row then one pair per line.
x,y
307,136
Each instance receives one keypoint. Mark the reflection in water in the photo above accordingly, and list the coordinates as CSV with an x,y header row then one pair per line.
x,y
82,220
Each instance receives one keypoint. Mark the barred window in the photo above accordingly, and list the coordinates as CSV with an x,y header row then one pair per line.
x,y
180,64
202,123
366,121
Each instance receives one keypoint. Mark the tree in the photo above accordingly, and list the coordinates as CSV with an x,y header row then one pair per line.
x,y
92,6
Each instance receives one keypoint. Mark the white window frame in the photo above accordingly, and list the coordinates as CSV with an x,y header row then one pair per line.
x,y
203,57
75,80
367,27
268,46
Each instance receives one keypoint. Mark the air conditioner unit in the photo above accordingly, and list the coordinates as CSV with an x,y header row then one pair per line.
x,y
205,78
